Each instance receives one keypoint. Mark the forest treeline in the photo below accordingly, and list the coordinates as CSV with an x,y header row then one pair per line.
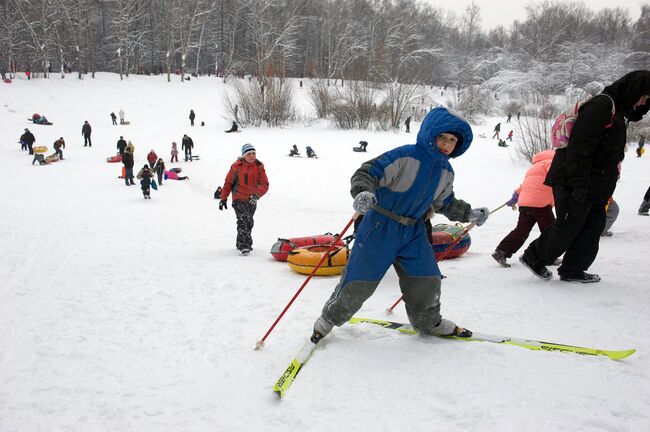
x,y
559,43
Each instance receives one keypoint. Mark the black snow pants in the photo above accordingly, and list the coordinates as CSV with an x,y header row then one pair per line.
x,y
244,211
575,233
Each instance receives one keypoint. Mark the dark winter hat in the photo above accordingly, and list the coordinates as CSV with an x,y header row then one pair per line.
x,y
247,148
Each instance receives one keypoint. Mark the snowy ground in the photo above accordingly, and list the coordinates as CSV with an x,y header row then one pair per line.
x,y
120,314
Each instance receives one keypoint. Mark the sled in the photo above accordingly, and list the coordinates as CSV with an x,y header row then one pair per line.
x,y
196,157
358,149
280,250
113,159
154,185
8,81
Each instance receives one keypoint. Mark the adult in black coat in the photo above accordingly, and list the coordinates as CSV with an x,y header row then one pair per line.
x,y
121,145
192,117
583,177
127,160
187,144
28,139
86,131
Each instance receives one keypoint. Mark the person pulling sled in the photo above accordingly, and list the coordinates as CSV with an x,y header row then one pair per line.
x,y
362,146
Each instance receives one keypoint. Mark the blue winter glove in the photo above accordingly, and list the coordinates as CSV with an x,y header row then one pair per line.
x,y
253,199
512,202
364,202
579,188
223,204
479,215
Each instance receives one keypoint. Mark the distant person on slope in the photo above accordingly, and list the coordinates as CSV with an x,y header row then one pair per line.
x,y
27,140
233,128
497,129
121,145
187,144
127,160
86,130
58,145
174,153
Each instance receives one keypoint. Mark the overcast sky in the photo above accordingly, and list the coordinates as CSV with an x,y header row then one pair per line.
x,y
504,12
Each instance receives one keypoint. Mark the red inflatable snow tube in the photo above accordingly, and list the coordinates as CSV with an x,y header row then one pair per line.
x,y
280,250
444,235
113,159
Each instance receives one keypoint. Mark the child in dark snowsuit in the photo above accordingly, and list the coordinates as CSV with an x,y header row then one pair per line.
x,y
310,152
145,175
294,151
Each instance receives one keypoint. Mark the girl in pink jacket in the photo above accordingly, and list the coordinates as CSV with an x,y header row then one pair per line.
x,y
535,201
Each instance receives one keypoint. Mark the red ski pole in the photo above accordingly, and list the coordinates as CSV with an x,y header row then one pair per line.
x,y
444,254
260,343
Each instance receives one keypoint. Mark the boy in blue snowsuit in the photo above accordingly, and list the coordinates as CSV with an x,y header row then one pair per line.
x,y
395,191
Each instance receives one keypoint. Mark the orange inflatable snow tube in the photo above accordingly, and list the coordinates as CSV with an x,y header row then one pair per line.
x,y
303,260
40,149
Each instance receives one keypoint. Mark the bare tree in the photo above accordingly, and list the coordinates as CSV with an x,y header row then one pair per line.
x,y
39,21
127,15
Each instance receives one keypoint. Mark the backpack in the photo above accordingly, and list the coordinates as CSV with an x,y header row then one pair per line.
x,y
561,130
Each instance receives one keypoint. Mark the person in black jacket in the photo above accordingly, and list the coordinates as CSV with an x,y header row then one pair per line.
x,y
27,140
127,160
85,131
187,144
114,119
192,117
121,145
233,128
583,177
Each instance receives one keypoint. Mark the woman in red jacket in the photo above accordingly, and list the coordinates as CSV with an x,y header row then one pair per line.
x,y
248,183
535,201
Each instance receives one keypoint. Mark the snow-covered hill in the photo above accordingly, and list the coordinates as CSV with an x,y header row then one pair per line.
x,y
120,314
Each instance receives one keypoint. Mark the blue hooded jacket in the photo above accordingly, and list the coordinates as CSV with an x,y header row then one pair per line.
x,y
408,180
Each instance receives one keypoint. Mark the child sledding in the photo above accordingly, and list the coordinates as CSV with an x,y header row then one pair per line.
x,y
39,119
311,153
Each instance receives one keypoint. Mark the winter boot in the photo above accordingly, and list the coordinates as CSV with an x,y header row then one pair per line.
x,y
500,257
645,207
245,251
322,327
449,328
581,277
537,268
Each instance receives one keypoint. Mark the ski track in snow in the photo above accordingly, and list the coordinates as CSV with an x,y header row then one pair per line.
x,y
120,314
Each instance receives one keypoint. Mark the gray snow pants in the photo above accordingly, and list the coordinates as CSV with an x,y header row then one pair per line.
x,y
421,297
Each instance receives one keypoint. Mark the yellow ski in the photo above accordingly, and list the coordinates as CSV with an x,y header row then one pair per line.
x,y
524,343
285,381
